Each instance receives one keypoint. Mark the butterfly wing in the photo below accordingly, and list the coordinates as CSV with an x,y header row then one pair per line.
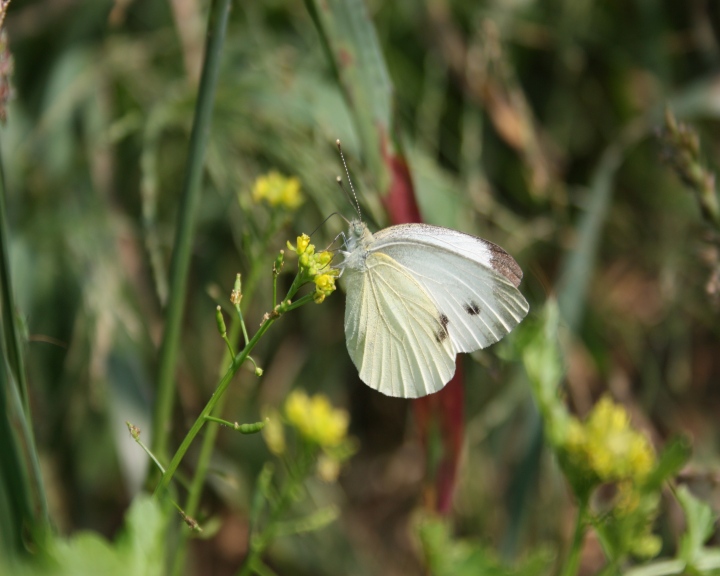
x,y
472,282
394,333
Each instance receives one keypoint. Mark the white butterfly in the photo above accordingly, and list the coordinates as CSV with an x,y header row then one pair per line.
x,y
419,294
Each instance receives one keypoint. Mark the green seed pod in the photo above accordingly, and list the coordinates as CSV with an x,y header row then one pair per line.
x,y
220,322
253,428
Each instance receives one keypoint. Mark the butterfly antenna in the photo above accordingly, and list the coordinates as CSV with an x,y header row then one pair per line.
x,y
339,181
326,219
347,172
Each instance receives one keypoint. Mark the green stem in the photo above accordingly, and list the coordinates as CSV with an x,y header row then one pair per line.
x,y
217,24
237,362
12,333
573,560
142,445
208,442
242,324
229,345
252,428
275,278
207,411
13,387
259,542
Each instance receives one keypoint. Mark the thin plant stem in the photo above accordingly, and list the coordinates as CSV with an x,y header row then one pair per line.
x,y
242,323
222,386
135,433
13,388
209,407
12,333
242,428
208,442
208,445
229,345
217,25
259,542
275,278
572,563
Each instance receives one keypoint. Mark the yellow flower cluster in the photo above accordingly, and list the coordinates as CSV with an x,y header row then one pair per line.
x,y
608,446
316,266
277,190
607,449
316,419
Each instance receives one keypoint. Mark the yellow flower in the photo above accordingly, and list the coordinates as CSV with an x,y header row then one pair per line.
x,y
277,190
315,267
316,419
324,286
303,242
616,450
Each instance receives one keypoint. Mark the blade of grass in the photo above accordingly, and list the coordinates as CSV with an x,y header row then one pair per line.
x,y
579,263
349,35
20,469
7,306
217,25
15,498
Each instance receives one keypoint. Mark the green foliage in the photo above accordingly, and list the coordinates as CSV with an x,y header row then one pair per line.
x,y
138,549
451,557
700,521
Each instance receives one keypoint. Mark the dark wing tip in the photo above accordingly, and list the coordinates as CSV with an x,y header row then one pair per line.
x,y
505,264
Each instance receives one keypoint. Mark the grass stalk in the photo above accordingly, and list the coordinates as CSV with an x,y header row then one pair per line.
x,y
19,464
9,319
217,25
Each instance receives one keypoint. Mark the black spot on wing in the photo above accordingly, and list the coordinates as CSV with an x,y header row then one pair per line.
x,y
472,308
442,333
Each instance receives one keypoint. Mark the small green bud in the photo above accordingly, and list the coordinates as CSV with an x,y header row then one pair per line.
x,y
134,431
258,371
279,261
236,295
220,322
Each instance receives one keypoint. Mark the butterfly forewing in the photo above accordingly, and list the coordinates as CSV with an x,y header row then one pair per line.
x,y
396,336
472,282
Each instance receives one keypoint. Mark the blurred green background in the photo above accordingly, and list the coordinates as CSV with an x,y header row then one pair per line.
x,y
532,123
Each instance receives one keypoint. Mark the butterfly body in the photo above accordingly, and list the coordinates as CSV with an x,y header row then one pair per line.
x,y
417,295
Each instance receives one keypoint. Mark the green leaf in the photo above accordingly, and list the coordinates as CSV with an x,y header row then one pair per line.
x,y
543,363
139,550
350,38
659,568
579,264
700,522
670,461
448,557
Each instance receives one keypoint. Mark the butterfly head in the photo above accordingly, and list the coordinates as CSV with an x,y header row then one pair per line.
x,y
356,242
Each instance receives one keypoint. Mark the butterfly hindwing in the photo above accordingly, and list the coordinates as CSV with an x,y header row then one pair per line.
x,y
396,336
